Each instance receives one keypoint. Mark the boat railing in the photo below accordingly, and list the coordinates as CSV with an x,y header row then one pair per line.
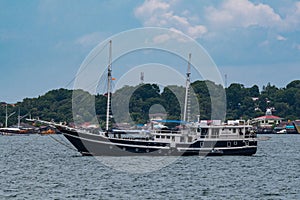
x,y
135,138
166,132
246,136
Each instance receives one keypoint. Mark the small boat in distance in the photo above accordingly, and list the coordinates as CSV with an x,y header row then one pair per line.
x,y
19,129
14,131
208,138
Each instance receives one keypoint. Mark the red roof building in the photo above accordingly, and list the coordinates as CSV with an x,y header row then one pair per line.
x,y
267,121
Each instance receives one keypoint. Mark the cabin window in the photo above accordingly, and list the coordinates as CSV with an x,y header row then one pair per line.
x,y
201,144
181,139
162,137
229,144
173,139
234,130
204,131
215,131
168,137
157,136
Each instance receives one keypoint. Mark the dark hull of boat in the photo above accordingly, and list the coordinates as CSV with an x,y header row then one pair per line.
x,y
96,145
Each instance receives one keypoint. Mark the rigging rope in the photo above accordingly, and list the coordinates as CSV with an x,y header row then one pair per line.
x,y
63,143
86,65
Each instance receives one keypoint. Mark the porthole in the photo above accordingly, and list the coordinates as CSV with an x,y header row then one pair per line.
x,y
235,143
136,149
228,144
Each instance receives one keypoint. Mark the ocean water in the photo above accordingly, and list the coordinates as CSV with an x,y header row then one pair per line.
x,y
38,167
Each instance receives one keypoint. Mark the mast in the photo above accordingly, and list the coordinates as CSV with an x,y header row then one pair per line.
x,y
19,118
6,116
186,114
108,85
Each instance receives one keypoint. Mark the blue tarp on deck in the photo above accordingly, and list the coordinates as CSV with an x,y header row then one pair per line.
x,y
171,121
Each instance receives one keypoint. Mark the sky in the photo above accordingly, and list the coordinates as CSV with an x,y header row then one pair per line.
x,y
44,42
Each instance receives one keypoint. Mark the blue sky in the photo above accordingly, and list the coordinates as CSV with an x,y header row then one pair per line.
x,y
43,43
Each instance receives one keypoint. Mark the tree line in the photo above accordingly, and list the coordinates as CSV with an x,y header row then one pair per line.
x,y
133,104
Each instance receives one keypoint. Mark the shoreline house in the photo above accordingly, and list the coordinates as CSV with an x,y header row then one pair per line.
x,y
266,123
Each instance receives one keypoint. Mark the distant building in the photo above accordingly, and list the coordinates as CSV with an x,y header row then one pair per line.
x,y
157,116
156,120
266,123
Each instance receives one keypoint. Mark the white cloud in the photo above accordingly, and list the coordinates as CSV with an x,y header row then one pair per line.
x,y
281,38
243,13
292,20
91,39
163,14
228,27
161,38
196,31
151,7
223,15
173,35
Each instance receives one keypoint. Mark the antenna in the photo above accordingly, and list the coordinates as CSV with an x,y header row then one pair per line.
x,y
225,80
142,77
